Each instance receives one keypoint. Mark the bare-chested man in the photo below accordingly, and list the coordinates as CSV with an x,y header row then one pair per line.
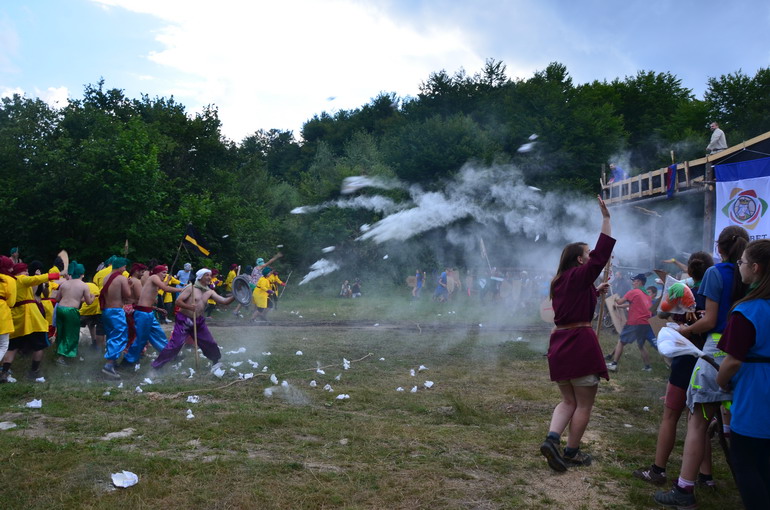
x,y
115,293
71,294
147,326
192,303
135,284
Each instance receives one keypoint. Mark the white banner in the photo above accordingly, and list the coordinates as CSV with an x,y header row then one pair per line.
x,y
743,203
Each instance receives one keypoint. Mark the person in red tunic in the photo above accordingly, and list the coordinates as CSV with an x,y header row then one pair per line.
x,y
575,358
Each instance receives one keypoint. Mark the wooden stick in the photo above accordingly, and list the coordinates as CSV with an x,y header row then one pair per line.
x,y
605,278
195,327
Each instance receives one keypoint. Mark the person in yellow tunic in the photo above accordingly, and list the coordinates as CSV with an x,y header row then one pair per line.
x,y
229,280
91,318
30,327
275,282
211,305
260,294
168,297
99,276
7,300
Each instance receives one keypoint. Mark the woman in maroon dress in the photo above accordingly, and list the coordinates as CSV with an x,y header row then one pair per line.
x,y
575,358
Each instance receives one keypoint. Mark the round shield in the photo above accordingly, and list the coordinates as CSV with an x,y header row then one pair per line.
x,y
242,289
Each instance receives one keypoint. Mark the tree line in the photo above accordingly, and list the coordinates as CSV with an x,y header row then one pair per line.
x,y
107,168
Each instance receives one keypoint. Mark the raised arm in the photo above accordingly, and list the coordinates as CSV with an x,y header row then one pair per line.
x,y
606,227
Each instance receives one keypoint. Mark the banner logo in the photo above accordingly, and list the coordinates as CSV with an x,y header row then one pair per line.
x,y
745,208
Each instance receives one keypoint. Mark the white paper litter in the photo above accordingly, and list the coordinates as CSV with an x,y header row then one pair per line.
x,y
7,425
321,372
273,379
246,377
345,364
268,353
239,351
481,325
192,373
124,479
137,367
382,359
138,389
343,396
236,363
628,425
264,369
298,353
385,257
11,379
376,324
190,414
645,408
34,404
219,372
328,387
411,372
253,364
120,385
421,368
399,389
313,384
268,392
284,384
106,394
428,384
337,377
193,399
147,380
413,390
328,249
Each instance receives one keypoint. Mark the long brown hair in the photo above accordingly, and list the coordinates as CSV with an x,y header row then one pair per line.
x,y
569,256
731,243
758,252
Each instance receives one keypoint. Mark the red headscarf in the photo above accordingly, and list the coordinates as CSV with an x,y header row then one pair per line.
x,y
159,269
6,264
18,268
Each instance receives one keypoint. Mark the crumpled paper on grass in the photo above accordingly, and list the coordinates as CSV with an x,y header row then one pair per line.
x,y
124,479
34,404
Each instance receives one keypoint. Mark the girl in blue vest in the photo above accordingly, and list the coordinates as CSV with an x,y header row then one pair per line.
x,y
746,368
722,286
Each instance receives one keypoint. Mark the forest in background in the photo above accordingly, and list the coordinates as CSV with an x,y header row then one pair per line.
x,y
107,168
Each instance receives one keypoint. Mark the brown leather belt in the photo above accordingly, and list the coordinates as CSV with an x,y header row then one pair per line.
x,y
574,325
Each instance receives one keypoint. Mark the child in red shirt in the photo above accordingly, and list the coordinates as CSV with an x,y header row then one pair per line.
x,y
637,329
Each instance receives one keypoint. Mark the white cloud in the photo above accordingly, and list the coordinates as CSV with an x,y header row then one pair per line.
x,y
9,92
54,96
274,64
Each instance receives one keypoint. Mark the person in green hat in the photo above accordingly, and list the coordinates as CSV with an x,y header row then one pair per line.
x,y
70,295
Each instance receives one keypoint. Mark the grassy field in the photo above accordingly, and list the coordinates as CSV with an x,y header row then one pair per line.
x,y
470,441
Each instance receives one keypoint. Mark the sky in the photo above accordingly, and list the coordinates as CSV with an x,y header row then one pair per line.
x,y
274,65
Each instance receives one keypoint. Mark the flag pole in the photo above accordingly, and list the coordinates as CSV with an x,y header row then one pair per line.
x,y
195,327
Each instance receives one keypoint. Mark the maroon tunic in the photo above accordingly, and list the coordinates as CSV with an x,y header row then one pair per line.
x,y
576,352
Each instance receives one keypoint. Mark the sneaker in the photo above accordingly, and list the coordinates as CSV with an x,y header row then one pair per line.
x,y
704,483
676,498
580,459
612,366
609,356
647,368
650,476
550,450
216,366
109,370
61,361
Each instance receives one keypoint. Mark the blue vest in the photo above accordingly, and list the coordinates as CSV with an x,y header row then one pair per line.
x,y
751,384
727,270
